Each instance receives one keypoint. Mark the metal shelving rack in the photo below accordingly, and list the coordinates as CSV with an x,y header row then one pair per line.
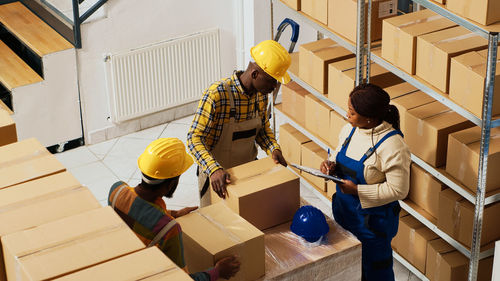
x,y
364,54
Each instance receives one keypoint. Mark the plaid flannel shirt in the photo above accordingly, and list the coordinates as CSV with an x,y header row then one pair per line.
x,y
213,113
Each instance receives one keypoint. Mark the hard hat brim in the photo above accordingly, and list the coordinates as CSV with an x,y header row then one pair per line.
x,y
285,79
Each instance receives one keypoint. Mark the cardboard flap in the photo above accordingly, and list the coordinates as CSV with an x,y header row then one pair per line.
x,y
441,246
400,90
250,169
413,100
21,151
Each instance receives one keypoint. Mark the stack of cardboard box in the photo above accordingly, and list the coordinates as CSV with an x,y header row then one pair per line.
x,y
291,141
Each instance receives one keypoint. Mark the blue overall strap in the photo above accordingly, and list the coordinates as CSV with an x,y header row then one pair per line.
x,y
348,139
370,151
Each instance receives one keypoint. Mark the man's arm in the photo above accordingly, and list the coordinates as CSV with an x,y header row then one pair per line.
x,y
265,138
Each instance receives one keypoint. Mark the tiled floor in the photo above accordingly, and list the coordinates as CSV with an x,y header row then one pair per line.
x,y
99,166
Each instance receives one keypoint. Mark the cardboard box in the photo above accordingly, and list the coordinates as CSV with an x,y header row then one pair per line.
x,y
467,78
342,17
272,187
146,264
399,90
312,156
8,133
463,158
67,245
291,141
430,124
424,190
331,189
337,122
314,58
318,117
434,51
294,4
412,244
317,9
24,161
399,40
342,79
484,12
293,100
395,241
407,102
214,232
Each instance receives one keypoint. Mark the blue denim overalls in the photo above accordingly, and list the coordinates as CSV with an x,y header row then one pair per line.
x,y
374,227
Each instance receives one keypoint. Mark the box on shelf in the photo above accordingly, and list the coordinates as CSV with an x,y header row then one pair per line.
x,y
463,158
8,133
317,9
146,264
294,4
293,100
312,156
24,161
467,78
337,122
67,245
430,124
294,66
272,187
395,241
317,117
342,17
407,102
399,90
314,58
484,12
440,1
399,36
214,232
291,141
424,190
434,51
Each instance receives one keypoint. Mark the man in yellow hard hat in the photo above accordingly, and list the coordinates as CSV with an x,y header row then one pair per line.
x,y
143,209
231,117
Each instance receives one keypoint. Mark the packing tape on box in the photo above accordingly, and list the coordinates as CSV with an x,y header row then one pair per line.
x,y
456,219
411,242
456,38
61,244
415,22
275,169
39,153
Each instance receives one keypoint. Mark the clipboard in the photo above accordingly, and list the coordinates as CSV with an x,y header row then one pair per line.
x,y
318,173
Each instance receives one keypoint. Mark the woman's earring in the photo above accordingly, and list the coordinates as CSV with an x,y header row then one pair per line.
x,y
369,121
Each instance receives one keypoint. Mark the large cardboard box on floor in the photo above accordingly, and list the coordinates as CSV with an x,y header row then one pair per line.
x,y
41,201
399,40
272,187
337,122
444,263
293,100
294,4
342,17
317,9
147,264
424,190
8,133
407,102
434,51
317,117
412,244
291,141
67,245
484,12
312,156
24,161
463,158
467,78
430,124
314,58
214,232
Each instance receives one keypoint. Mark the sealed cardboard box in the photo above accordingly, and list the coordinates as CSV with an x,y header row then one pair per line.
x,y
314,58
214,232
395,241
434,51
430,124
317,117
293,100
399,90
342,17
399,40
8,133
312,156
317,9
272,187
412,244
24,161
484,12
294,4
337,122
291,141
67,245
407,102
331,189
467,79
424,190
147,264
463,158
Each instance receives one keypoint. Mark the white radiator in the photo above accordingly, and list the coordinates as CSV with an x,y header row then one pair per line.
x,y
163,75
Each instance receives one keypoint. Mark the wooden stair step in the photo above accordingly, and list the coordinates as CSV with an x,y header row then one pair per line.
x,y
14,72
31,30
3,106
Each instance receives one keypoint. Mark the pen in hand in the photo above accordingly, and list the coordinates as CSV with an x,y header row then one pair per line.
x,y
328,162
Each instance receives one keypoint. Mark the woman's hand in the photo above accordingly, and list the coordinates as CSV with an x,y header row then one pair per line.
x,y
348,187
327,167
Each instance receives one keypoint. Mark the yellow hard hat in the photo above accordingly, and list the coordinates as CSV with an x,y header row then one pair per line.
x,y
164,158
273,59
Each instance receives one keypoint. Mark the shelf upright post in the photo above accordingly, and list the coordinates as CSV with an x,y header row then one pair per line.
x,y
369,40
360,42
483,156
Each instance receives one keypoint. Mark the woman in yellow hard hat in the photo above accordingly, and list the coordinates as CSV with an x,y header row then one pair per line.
x,y
231,117
143,209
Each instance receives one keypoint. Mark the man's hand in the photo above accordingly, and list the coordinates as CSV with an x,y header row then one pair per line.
x,y
278,157
228,267
182,212
327,167
348,187
219,179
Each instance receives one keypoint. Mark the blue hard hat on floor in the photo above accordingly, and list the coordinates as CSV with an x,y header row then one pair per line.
x,y
309,223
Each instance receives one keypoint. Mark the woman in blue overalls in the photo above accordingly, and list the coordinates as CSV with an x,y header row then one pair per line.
x,y
374,162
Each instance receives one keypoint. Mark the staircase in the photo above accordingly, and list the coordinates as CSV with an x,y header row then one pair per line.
x,y
38,78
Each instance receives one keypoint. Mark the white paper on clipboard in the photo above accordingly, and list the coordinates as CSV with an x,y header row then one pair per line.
x,y
317,173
